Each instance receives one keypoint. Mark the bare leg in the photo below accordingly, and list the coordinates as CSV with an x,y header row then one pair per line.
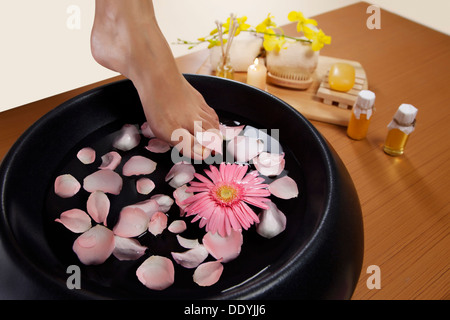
x,y
126,38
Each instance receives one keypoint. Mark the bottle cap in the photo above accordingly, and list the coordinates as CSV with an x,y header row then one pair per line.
x,y
405,115
365,99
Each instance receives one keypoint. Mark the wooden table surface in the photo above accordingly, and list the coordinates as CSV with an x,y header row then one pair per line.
x,y
404,199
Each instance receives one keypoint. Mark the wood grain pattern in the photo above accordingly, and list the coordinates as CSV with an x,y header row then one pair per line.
x,y
404,199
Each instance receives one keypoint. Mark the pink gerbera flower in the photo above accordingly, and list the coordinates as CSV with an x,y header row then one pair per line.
x,y
221,204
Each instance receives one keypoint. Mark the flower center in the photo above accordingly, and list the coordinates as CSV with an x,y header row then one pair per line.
x,y
226,194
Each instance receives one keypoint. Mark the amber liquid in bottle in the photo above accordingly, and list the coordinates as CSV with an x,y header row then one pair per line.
x,y
395,142
357,128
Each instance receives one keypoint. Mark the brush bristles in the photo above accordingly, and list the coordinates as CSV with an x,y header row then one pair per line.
x,y
292,76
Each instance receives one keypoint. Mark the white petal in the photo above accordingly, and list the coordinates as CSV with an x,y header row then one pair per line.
x,y
132,222
138,165
269,164
192,258
110,160
227,248
147,131
158,223
145,185
244,148
177,226
156,273
128,138
66,186
229,132
272,221
95,245
180,173
208,273
128,249
180,195
86,155
104,180
187,243
157,146
98,206
75,220
284,188
164,201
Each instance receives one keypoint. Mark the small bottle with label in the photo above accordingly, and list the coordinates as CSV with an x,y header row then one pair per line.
x,y
400,128
361,114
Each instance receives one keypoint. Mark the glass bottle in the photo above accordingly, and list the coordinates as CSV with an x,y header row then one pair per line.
x,y
362,112
224,68
400,128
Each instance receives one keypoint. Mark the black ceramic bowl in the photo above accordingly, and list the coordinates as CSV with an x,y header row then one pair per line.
x,y
318,256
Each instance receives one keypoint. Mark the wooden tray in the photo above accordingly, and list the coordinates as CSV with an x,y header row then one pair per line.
x,y
310,102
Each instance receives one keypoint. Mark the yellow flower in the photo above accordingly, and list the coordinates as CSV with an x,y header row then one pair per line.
x,y
266,24
318,38
241,25
302,21
273,41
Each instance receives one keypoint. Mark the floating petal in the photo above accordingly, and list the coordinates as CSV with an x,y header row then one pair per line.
x,y
128,138
66,186
177,226
229,132
150,207
157,223
180,194
75,220
128,249
95,245
164,201
147,131
227,248
98,206
156,273
187,243
211,140
180,173
244,148
272,222
104,180
110,160
157,146
284,188
145,185
86,155
269,164
192,258
132,222
208,273
138,165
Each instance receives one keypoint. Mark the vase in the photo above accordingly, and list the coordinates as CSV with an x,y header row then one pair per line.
x,y
292,66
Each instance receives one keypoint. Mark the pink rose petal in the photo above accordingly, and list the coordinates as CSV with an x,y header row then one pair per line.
x,y
156,273
269,164
177,226
147,131
227,248
245,148
229,132
150,207
132,222
95,245
104,180
187,243
164,201
157,223
138,165
180,173
75,220
86,155
208,273
66,186
128,138
98,206
192,258
110,160
272,221
180,195
128,249
284,188
157,146
145,185
211,140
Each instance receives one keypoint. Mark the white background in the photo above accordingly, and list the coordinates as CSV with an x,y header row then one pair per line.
x,y
40,56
